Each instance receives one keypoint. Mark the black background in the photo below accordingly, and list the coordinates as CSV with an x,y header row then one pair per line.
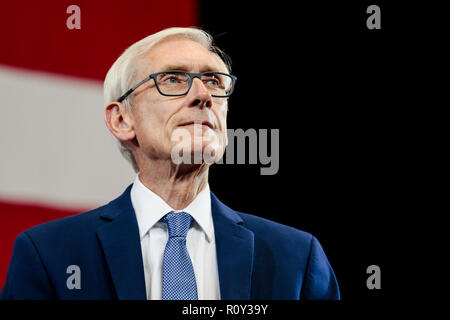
x,y
341,95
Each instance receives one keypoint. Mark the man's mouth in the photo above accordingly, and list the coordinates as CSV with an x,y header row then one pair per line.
x,y
198,122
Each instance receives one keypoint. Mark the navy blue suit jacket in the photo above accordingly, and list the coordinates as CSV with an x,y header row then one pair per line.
x,y
257,258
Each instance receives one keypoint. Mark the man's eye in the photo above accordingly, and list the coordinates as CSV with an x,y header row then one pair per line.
x,y
171,79
212,82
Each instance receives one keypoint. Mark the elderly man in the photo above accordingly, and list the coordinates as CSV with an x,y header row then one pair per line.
x,y
167,236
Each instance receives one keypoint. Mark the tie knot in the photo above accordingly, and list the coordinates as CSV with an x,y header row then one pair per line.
x,y
178,223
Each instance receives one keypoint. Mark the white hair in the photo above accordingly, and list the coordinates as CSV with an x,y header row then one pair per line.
x,y
121,75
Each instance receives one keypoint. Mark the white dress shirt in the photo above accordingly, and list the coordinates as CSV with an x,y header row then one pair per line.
x,y
200,240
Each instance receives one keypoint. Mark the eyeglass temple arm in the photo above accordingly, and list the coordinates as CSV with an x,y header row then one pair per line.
x,y
126,94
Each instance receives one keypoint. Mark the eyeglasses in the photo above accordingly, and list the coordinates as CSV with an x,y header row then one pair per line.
x,y
174,83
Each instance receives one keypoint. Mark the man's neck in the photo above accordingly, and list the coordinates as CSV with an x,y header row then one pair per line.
x,y
176,185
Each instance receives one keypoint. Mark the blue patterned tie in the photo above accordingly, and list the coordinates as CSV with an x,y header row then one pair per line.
x,y
178,273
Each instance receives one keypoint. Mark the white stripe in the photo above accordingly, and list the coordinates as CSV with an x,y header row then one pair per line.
x,y
55,147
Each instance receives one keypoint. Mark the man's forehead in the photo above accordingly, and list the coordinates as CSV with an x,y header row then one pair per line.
x,y
181,54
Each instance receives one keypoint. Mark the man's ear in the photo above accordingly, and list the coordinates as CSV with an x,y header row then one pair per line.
x,y
118,119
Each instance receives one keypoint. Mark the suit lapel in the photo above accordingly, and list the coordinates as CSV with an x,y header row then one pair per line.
x,y
119,238
234,246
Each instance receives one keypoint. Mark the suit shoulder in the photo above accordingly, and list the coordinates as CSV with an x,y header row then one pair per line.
x,y
268,228
78,223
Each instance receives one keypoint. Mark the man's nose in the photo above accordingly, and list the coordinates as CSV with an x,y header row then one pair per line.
x,y
200,95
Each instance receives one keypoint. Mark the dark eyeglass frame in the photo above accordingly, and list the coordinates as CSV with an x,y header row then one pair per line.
x,y
191,75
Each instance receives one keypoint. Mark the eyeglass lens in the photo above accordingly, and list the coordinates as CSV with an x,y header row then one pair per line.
x,y
178,82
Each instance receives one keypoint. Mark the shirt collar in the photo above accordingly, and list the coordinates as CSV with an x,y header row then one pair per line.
x,y
150,208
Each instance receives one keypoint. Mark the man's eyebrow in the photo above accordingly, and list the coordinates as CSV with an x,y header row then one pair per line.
x,y
173,67
207,68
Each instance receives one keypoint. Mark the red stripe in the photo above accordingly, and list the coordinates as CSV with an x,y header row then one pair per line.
x,y
35,35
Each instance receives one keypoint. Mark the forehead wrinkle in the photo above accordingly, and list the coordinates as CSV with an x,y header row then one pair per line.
x,y
177,64
190,67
